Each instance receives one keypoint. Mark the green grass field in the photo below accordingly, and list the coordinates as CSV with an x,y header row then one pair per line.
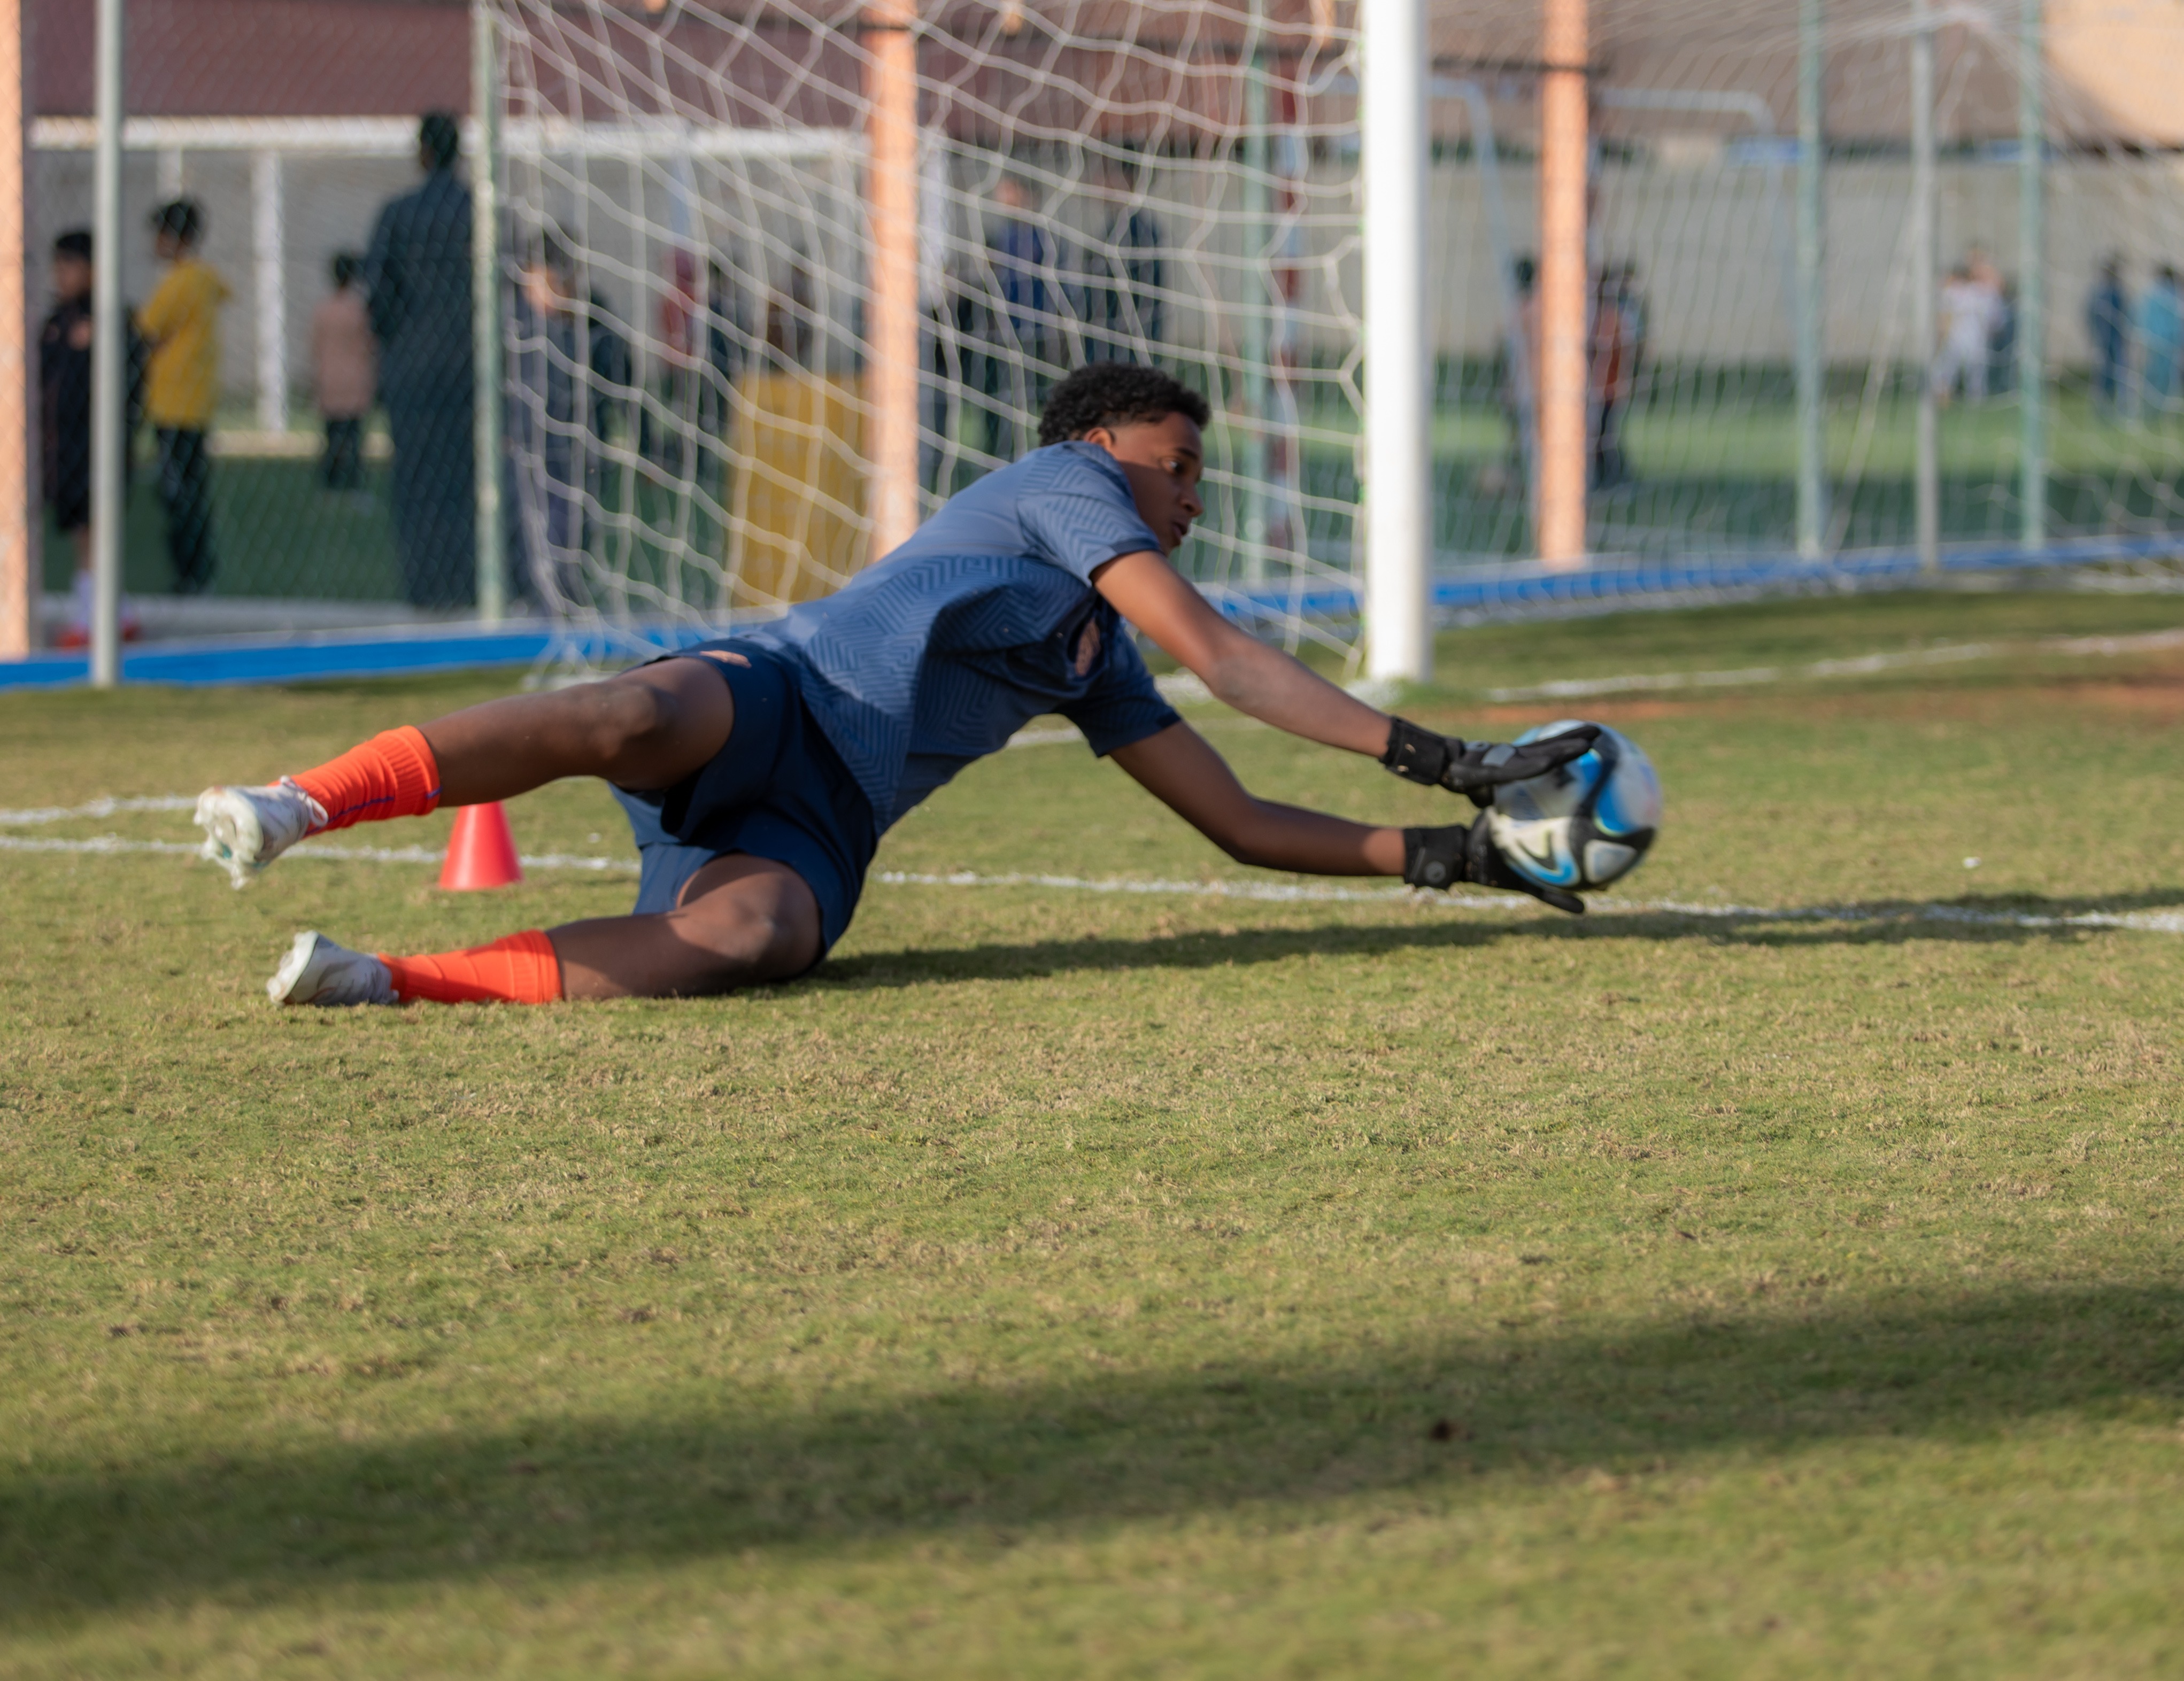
x,y
1072,1284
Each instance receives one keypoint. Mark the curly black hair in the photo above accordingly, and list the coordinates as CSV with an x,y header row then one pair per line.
x,y
440,138
1115,394
184,218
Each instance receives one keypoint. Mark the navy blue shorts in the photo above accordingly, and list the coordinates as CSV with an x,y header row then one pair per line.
x,y
778,790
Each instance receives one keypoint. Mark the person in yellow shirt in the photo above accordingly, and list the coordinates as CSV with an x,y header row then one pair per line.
x,y
181,326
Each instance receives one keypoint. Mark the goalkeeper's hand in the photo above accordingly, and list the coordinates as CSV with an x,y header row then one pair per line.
x,y
1465,852
1476,768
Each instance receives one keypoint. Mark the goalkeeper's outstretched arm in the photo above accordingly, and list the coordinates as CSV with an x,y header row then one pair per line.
x,y
1277,689
1180,769
1240,670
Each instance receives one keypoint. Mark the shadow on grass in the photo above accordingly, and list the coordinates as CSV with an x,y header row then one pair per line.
x,y
984,1462
1885,922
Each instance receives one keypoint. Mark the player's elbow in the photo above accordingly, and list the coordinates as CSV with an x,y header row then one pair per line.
x,y
1230,676
1243,834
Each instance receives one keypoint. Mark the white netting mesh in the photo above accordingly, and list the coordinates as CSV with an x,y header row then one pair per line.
x,y
689,289
690,367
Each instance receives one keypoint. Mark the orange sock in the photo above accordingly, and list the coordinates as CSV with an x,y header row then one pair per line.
x,y
393,774
521,969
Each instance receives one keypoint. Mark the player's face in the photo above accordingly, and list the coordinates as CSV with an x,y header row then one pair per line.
x,y
1162,459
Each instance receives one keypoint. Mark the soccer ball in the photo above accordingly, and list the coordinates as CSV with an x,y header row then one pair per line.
x,y
1584,824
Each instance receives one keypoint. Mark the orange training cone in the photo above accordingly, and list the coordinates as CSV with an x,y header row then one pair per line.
x,y
482,852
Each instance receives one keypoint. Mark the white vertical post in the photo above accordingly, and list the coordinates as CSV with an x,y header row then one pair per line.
x,y
485,313
2032,274
1262,286
1812,360
268,231
19,532
109,359
1398,511
1925,262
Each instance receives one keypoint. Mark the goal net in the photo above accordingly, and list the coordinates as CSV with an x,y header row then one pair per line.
x,y
718,215
699,228
773,277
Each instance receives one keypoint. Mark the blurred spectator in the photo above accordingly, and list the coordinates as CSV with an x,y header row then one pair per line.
x,y
791,322
181,325
727,338
418,274
571,370
1607,367
1636,319
1969,303
2108,324
64,405
1513,386
1124,306
2001,342
345,372
663,427
1015,314
2160,342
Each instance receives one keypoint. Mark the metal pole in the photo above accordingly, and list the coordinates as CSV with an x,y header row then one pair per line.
x,y
1391,123
485,313
1925,260
109,357
271,284
18,551
2032,272
1564,157
1812,363
891,190
1258,198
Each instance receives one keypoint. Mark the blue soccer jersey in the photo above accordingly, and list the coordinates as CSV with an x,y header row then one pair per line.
x,y
984,619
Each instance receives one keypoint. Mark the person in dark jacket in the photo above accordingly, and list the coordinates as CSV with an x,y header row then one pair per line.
x,y
2108,324
64,395
570,377
64,404
418,273
1015,314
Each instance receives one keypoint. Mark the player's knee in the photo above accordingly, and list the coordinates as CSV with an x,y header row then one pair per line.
x,y
747,939
626,718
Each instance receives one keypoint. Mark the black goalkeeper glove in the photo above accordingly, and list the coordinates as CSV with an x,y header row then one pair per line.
x,y
1476,768
1465,852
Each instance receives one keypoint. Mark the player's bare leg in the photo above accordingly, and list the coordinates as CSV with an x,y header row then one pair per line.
x,y
643,730
742,921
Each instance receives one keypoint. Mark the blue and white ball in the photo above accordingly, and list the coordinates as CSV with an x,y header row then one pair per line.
x,y
1584,824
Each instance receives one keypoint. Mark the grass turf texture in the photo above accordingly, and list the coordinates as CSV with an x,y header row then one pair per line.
x,y
1092,1285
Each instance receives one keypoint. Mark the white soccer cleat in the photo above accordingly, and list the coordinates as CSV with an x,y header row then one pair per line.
x,y
246,829
318,971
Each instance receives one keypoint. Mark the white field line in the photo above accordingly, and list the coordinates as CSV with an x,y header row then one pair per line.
x,y
105,844
1864,666
2144,922
97,808
1274,892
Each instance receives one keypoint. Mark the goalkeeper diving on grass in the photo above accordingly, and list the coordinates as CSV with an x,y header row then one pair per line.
x,y
760,772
